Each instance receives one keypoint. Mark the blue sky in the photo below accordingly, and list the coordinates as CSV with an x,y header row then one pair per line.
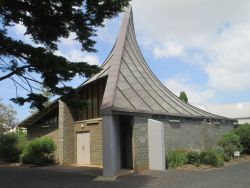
x,y
201,47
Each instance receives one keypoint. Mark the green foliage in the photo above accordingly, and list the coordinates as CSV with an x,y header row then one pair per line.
x,y
193,157
212,157
46,23
230,142
176,158
183,97
243,131
39,151
12,145
225,156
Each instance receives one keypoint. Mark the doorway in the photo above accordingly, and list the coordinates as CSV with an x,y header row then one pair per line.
x,y
126,134
83,148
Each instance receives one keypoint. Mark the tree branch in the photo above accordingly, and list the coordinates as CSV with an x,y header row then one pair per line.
x,y
14,72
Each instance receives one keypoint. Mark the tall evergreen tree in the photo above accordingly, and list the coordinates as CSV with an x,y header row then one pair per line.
x,y
46,21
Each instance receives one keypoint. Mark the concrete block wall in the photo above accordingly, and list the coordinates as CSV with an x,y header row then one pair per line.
x,y
193,135
95,129
66,135
50,131
140,143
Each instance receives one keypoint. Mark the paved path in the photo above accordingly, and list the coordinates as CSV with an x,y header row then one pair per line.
x,y
233,176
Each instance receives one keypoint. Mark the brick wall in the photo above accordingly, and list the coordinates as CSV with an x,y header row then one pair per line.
x,y
66,135
50,131
186,135
193,135
95,129
140,143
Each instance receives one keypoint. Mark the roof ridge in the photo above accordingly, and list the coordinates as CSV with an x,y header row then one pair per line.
x,y
115,61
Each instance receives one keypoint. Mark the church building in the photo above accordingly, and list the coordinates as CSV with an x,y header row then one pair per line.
x,y
131,119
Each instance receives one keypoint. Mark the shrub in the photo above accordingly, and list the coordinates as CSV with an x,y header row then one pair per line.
x,y
12,145
176,158
193,157
230,142
243,131
212,157
225,156
39,151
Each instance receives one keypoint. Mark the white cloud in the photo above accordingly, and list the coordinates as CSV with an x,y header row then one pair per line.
x,y
168,49
214,34
78,56
71,49
230,66
109,32
91,59
196,94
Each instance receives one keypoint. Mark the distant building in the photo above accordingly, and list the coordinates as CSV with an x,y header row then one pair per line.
x,y
239,111
131,119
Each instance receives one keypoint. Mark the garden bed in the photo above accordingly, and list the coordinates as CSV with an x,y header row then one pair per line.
x,y
238,160
203,167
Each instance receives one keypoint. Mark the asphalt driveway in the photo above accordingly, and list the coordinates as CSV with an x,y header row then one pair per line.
x,y
233,176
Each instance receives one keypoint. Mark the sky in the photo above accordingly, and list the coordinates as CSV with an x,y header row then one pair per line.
x,y
197,46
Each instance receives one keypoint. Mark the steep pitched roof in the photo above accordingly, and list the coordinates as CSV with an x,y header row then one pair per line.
x,y
132,86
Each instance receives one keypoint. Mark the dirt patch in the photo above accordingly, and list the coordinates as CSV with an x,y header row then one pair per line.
x,y
200,167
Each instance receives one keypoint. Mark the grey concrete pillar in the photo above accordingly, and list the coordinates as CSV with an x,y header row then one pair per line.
x,y
111,145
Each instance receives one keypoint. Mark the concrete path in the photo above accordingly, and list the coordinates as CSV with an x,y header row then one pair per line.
x,y
233,176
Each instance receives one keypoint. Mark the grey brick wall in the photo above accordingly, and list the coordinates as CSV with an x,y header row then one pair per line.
x,y
193,135
96,153
66,135
37,131
186,135
140,143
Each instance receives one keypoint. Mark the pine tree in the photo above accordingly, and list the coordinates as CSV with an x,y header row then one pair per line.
x,y
46,22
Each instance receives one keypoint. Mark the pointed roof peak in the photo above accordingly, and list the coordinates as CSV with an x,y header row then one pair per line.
x,y
131,85
115,59
118,47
